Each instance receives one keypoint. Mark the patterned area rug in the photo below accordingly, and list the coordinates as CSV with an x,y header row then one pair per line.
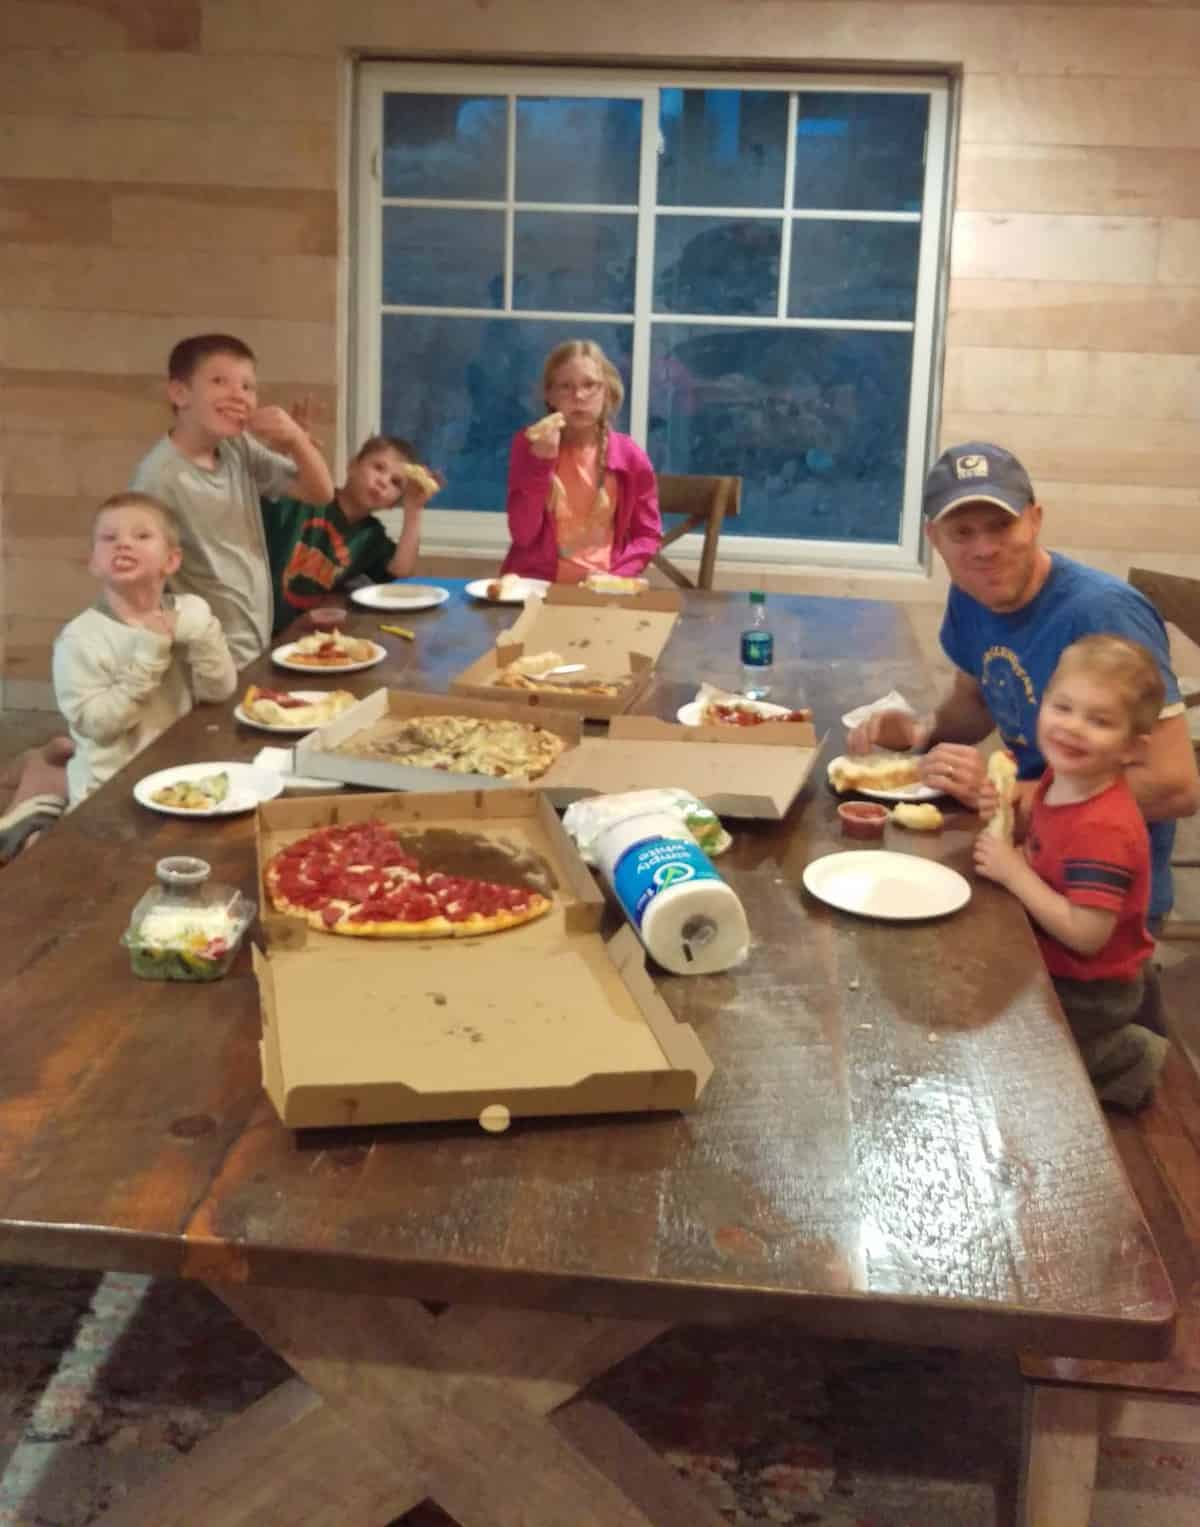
x,y
104,1380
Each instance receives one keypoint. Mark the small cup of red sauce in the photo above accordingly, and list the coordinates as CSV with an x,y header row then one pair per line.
x,y
327,617
862,819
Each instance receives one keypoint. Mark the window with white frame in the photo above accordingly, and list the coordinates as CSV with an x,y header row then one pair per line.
x,y
758,255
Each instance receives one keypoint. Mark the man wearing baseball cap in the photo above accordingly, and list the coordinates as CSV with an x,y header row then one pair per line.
x,y
1013,608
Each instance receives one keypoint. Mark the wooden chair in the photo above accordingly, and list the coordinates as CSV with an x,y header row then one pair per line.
x,y
1071,1404
1177,600
704,503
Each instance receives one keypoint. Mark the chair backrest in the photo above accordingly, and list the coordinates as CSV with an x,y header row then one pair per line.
x,y
1175,598
703,504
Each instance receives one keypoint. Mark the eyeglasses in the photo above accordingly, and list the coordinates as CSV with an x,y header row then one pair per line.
x,y
577,389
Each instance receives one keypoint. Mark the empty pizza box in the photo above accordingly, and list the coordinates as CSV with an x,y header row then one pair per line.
x,y
619,637
546,1018
739,772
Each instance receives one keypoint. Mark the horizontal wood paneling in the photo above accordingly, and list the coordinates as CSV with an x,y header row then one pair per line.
x,y
43,83
213,151
1085,383
68,465
103,24
1074,315
38,401
1179,256
28,643
1145,43
1120,519
1048,247
62,212
252,220
1126,181
37,526
1152,453
185,283
1114,112
51,339
258,220
50,589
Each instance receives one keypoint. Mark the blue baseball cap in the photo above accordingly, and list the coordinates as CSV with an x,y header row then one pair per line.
x,y
975,473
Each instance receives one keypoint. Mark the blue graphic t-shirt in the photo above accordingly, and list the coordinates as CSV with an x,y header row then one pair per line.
x,y
1011,656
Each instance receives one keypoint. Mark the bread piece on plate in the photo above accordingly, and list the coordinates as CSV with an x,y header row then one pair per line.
x,y
918,816
544,427
504,587
1002,771
880,771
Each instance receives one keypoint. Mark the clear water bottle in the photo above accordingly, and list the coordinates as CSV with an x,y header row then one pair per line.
x,y
758,651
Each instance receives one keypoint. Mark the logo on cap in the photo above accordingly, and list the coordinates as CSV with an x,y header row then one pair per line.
x,y
970,466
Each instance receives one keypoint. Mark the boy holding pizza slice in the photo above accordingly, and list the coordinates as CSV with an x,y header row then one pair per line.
x,y
1084,873
314,551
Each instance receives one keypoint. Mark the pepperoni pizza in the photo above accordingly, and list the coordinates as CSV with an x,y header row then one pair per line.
x,y
359,880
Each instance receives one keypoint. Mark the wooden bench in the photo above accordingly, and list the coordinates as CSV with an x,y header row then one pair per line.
x,y
1069,1404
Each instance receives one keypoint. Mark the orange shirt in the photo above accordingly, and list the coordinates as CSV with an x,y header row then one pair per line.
x,y
583,528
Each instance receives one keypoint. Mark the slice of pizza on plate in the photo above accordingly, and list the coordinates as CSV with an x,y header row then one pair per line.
x,y
330,649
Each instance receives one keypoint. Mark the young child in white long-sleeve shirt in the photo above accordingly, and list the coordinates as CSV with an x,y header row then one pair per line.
x,y
130,666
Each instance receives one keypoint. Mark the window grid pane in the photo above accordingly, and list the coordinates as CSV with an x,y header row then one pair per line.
x,y
822,451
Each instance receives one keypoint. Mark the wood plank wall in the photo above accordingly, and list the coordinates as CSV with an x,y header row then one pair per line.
x,y
168,166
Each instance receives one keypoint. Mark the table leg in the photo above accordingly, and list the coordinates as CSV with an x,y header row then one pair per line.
x,y
463,1400
287,1459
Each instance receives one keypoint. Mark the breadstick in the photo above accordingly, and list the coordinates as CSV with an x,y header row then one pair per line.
x,y
1002,771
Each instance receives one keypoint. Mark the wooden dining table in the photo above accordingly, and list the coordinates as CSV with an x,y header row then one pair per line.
x,y
898,1142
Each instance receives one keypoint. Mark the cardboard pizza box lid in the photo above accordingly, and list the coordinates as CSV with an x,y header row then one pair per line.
x,y
313,755
373,1031
738,772
620,638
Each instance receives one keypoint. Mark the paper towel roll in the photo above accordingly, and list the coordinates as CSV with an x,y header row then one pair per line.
x,y
685,914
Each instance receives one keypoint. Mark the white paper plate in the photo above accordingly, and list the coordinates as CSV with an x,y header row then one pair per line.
x,y
478,589
247,786
916,792
265,726
400,596
874,882
690,713
282,656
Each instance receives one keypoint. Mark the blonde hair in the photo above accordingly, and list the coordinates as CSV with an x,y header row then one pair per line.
x,y
1126,667
167,520
614,396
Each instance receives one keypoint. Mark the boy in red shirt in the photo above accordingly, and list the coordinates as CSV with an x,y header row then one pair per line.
x,y
1084,874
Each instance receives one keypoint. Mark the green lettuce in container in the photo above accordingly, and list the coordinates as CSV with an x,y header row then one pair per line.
x,y
183,928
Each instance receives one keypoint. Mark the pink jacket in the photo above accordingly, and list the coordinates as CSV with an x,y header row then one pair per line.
x,y
637,525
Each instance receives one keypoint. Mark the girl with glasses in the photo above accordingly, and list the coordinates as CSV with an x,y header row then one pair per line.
x,y
582,498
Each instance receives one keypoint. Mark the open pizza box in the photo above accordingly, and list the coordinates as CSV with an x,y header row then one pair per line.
x,y
314,755
738,772
619,637
761,779
545,1018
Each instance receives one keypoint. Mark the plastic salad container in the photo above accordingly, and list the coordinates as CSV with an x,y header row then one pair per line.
x,y
183,928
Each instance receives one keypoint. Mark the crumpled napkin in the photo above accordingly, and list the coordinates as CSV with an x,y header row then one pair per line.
x,y
893,700
280,761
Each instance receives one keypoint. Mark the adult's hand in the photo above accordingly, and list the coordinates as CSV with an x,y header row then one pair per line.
x,y
896,729
957,769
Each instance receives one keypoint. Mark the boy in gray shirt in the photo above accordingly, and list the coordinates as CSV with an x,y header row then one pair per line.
x,y
222,454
